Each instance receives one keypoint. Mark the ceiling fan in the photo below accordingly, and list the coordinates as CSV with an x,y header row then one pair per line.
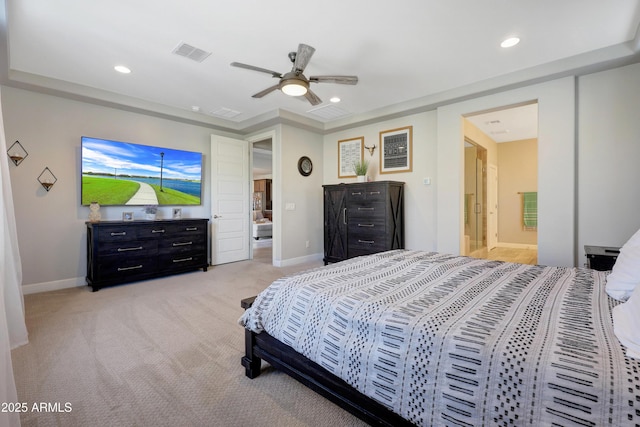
x,y
294,83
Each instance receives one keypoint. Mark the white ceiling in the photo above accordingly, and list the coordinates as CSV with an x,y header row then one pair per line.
x,y
405,53
509,124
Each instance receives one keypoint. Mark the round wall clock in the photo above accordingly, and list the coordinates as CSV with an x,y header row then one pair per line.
x,y
305,166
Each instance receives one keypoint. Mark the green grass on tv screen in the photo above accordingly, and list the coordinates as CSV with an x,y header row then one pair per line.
x,y
107,191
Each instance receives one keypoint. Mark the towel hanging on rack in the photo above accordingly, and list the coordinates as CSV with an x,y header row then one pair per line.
x,y
530,210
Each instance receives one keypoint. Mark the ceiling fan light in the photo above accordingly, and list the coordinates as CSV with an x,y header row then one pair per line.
x,y
294,88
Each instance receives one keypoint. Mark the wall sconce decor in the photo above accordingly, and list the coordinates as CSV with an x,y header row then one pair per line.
x,y
371,149
17,153
47,179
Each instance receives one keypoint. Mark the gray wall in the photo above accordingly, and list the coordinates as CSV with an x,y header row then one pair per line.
x,y
608,157
51,229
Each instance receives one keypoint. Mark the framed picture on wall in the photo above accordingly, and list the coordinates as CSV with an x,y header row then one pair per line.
x,y
396,150
350,151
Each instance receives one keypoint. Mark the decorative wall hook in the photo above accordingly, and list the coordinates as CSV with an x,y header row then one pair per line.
x,y
47,179
17,153
371,149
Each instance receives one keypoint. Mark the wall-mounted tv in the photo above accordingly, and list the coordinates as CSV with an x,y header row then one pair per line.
x,y
121,173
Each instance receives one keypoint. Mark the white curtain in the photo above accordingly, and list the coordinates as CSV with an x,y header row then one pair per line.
x,y
13,331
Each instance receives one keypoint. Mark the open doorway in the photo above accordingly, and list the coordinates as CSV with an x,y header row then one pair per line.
x,y
500,209
262,201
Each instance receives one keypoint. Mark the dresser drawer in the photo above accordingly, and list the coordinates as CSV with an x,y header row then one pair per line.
x,y
175,261
154,231
123,267
366,210
177,245
369,226
368,193
116,234
365,245
180,229
128,248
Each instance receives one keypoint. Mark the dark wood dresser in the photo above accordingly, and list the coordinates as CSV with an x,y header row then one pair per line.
x,y
362,218
126,251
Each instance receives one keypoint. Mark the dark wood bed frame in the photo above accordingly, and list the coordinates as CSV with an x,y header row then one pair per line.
x,y
263,346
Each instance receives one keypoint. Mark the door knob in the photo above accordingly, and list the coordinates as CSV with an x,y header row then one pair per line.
x,y
217,216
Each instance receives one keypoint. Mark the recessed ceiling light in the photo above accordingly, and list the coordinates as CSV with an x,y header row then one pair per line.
x,y
510,42
335,99
122,69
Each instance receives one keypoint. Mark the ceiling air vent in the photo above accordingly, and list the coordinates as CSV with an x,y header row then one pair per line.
x,y
227,113
329,112
191,52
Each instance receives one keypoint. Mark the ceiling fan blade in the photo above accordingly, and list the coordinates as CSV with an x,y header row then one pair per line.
x,y
303,56
343,80
312,98
267,91
253,68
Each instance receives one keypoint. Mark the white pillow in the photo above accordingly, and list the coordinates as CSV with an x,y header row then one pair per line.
x,y
625,274
626,324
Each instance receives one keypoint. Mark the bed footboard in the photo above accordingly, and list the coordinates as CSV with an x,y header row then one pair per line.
x,y
263,346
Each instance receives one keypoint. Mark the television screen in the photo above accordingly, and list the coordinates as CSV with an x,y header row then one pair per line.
x,y
122,173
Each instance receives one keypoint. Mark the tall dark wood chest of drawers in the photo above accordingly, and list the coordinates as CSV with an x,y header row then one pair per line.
x,y
362,218
126,251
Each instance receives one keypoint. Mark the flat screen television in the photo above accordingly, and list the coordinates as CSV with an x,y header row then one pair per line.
x,y
118,173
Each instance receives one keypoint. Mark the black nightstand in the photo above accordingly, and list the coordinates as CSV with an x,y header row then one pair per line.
x,y
601,257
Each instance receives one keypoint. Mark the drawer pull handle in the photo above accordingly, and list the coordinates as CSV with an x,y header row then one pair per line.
x,y
366,209
192,229
135,267
122,233
365,225
183,259
359,193
183,244
374,192
139,248
157,231
370,242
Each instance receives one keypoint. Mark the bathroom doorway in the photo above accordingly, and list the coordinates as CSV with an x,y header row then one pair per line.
x,y
504,140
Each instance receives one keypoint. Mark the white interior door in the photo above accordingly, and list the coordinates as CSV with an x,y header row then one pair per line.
x,y
492,207
229,200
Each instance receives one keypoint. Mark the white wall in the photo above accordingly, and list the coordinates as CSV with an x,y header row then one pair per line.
x,y
51,226
419,199
609,157
294,228
556,164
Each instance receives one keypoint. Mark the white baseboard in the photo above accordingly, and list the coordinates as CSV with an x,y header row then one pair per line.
x,y
517,245
299,260
35,288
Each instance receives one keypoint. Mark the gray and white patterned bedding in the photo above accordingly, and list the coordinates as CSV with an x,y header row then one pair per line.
x,y
449,340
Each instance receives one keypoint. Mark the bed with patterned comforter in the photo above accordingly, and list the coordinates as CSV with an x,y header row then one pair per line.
x,y
449,340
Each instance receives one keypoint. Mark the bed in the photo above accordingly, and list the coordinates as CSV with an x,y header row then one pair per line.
x,y
424,338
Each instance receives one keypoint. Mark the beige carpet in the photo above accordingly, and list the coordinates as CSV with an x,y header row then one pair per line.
x,y
163,352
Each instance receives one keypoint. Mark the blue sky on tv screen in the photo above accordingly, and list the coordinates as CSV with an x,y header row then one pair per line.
x,y
101,156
